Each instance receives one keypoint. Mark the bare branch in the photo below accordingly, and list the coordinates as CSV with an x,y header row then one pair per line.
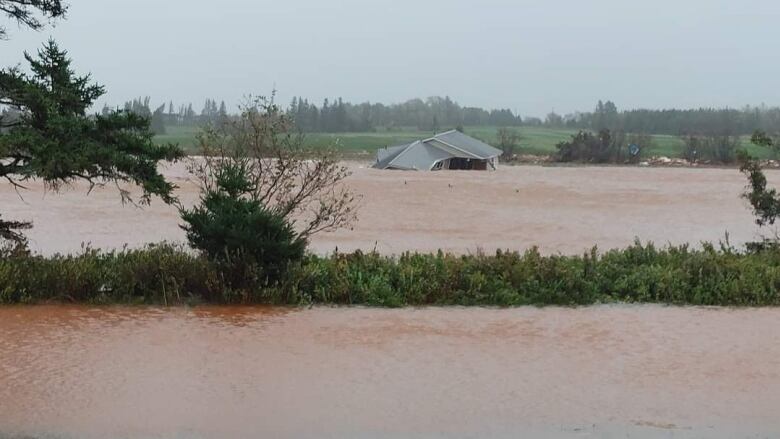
x,y
297,184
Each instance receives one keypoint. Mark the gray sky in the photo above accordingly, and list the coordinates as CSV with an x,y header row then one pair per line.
x,y
529,56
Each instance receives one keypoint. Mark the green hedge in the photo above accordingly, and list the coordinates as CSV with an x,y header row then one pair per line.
x,y
167,274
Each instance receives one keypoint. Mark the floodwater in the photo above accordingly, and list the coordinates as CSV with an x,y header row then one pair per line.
x,y
218,372
560,209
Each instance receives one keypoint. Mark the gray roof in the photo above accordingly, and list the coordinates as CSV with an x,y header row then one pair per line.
x,y
468,144
423,154
386,155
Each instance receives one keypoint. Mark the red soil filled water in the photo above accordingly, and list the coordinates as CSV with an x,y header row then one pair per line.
x,y
608,371
559,209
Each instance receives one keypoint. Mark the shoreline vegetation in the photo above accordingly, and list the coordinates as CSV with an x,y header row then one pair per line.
x,y
168,274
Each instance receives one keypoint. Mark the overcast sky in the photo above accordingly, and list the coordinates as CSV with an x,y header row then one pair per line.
x,y
529,56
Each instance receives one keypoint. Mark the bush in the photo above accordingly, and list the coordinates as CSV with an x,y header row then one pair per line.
x,y
713,148
508,140
163,274
252,245
604,147
639,273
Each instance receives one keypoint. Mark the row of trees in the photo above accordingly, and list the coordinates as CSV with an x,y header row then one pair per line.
x,y
701,121
333,116
168,115
437,113
431,114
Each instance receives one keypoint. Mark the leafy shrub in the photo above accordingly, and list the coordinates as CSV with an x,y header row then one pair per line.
x,y
508,140
603,147
251,244
714,148
156,274
641,273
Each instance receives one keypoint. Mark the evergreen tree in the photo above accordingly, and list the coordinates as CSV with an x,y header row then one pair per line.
x,y
158,120
55,140
170,116
189,115
24,12
205,114
223,114
325,124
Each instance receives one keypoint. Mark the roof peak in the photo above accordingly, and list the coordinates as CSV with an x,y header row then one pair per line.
x,y
445,132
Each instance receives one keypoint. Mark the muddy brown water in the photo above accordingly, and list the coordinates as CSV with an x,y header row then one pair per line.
x,y
611,371
559,209
218,372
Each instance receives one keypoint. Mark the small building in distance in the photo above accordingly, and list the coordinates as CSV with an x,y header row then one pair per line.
x,y
449,150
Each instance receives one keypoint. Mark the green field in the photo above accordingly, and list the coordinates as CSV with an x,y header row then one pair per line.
x,y
535,140
183,135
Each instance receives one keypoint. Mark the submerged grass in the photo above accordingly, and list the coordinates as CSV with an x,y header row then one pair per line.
x,y
642,273
156,274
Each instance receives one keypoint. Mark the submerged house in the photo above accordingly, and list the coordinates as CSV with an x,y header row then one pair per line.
x,y
450,150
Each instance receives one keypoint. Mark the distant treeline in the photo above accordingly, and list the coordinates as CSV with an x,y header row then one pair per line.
x,y
168,115
336,116
431,114
437,113
702,121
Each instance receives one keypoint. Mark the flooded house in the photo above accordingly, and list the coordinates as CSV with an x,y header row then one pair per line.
x,y
448,150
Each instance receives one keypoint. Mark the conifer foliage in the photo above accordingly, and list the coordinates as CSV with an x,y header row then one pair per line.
x,y
46,133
